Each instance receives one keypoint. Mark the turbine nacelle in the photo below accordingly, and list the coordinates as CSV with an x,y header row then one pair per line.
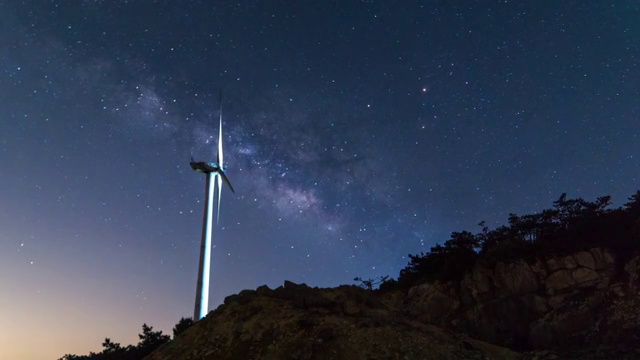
x,y
211,167
205,167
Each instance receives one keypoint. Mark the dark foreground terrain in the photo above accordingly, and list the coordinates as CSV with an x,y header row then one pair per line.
x,y
573,306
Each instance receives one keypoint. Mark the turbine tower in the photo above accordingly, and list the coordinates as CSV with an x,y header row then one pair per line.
x,y
215,174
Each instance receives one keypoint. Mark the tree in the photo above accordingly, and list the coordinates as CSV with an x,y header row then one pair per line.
x,y
570,225
370,283
110,347
181,326
525,227
574,209
633,205
462,241
150,339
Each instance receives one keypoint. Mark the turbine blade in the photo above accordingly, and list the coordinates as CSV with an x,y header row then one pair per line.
x,y
219,197
226,180
220,154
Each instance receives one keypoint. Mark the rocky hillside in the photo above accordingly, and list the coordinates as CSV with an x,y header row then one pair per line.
x,y
299,322
573,306
575,303
563,283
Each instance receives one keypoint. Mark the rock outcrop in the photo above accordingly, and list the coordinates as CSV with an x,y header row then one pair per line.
x,y
560,302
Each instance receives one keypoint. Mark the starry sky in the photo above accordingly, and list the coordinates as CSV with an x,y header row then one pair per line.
x,y
355,133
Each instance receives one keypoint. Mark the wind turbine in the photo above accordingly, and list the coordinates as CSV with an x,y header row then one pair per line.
x,y
215,174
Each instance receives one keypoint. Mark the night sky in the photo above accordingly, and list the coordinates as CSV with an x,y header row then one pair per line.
x,y
355,133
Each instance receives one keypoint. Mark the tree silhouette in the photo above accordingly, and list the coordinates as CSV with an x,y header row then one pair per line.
x,y
370,283
633,205
110,347
570,225
182,325
149,341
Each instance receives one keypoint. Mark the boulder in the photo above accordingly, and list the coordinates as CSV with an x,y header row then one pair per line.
x,y
559,280
585,277
516,278
585,259
264,290
302,296
244,297
553,264
568,262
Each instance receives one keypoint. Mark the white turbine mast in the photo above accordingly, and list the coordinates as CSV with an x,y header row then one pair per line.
x,y
215,175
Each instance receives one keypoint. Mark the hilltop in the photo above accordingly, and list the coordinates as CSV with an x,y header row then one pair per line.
x,y
560,284
570,307
298,322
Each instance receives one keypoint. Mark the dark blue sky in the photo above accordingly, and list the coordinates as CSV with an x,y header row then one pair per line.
x,y
355,132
